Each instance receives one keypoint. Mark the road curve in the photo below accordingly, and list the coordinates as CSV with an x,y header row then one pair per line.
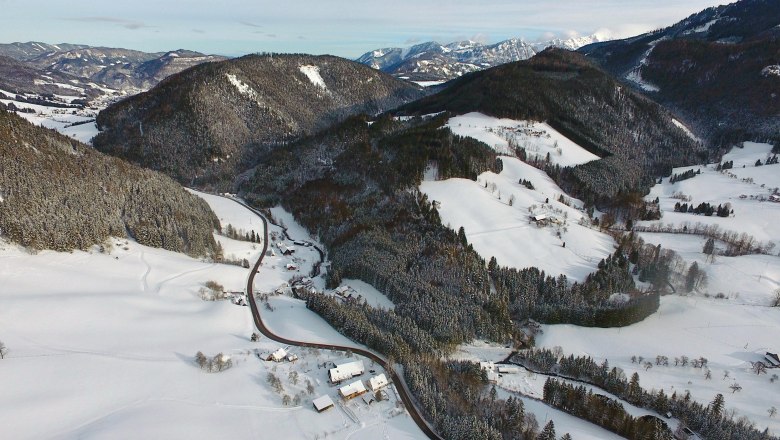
x,y
400,384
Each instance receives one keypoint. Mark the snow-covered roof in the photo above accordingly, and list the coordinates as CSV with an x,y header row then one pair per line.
x,y
346,371
506,369
489,366
540,217
377,382
355,387
322,403
279,354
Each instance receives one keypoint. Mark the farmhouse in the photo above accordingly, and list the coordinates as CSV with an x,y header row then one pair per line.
x,y
376,383
290,266
346,371
540,219
774,198
278,355
773,361
507,369
284,249
322,403
352,390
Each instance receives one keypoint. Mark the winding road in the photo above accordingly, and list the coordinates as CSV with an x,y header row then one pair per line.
x,y
400,384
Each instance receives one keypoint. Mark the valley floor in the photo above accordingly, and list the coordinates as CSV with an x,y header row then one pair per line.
x,y
102,345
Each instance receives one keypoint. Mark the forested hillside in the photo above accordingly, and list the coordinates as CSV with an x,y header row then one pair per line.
x,y
56,193
634,136
210,122
355,187
718,69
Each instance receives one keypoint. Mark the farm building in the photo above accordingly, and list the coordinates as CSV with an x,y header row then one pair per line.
x,y
488,366
774,198
346,371
292,357
540,219
352,390
278,355
322,403
773,361
376,383
291,266
284,249
507,369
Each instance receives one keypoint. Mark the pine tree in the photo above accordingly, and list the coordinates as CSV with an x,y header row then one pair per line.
x,y
716,407
548,433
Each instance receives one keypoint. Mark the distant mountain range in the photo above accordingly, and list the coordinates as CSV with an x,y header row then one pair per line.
x,y
718,69
76,70
432,61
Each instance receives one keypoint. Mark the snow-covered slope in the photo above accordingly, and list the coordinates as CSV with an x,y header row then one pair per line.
x,y
537,138
497,228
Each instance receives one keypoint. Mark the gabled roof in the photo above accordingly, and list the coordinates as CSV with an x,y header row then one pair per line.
x,y
322,403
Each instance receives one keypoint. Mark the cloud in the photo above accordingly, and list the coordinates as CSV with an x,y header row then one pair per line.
x,y
199,31
246,23
413,40
127,24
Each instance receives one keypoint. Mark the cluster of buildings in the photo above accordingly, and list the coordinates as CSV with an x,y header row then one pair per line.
x,y
494,371
345,372
281,355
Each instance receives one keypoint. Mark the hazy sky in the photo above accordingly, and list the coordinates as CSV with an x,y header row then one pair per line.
x,y
340,27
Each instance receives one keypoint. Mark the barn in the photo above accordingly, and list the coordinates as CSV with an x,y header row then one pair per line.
x,y
322,403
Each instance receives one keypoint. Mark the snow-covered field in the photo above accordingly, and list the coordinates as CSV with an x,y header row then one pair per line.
x,y
730,332
753,213
496,228
62,119
537,138
102,345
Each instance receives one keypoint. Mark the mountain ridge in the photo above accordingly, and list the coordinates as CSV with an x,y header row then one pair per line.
x,y
208,123
434,61
710,68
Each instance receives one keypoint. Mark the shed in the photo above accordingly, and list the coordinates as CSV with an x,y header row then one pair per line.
x,y
322,403
278,355
292,357
346,371
352,390
376,383
508,369
773,359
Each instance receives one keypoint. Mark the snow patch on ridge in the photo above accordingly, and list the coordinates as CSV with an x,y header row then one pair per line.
x,y
313,73
242,87
773,70
685,129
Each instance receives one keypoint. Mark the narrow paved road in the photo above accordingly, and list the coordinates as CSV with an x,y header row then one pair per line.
x,y
399,382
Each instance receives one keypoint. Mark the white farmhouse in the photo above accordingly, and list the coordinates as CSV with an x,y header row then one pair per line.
x,y
376,383
346,371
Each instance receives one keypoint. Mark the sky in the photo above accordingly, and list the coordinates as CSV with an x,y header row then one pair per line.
x,y
346,28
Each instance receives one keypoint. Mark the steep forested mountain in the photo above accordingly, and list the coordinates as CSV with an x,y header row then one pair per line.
x,y
635,137
210,121
718,69
56,193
